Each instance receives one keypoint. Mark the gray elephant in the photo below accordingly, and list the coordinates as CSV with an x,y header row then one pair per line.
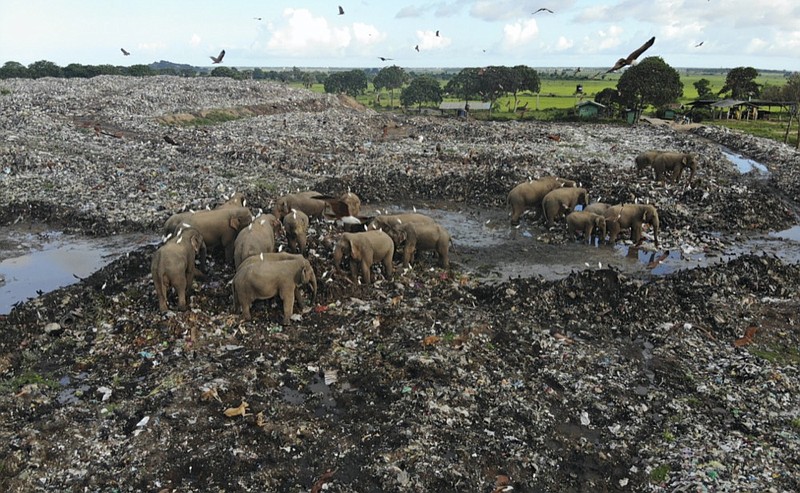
x,y
387,222
235,200
597,208
631,216
219,227
301,201
365,249
259,279
529,195
586,222
562,201
295,225
347,205
645,160
257,237
173,265
422,237
672,164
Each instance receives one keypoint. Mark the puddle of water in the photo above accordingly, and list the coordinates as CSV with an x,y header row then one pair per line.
x,y
36,260
788,234
745,165
486,244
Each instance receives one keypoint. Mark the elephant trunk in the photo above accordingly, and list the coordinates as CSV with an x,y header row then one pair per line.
x,y
313,282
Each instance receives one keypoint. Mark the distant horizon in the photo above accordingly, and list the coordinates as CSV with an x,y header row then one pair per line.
x,y
447,33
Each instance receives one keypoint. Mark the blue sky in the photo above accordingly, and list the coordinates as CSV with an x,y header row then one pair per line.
x,y
764,34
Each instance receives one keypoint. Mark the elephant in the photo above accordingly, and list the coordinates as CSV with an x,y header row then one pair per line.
x,y
529,195
562,201
257,237
387,222
219,227
365,249
173,265
347,205
673,163
236,200
624,216
645,160
295,225
597,208
586,222
261,279
301,201
426,237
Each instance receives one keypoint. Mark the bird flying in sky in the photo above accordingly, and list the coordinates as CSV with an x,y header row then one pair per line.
x,y
699,44
218,58
416,47
437,33
341,10
542,9
633,56
383,59
126,53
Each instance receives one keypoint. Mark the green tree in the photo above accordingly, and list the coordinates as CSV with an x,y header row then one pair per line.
x,y
390,78
493,83
791,93
464,85
44,68
703,87
741,83
225,72
13,70
650,82
422,89
608,97
522,78
139,70
352,83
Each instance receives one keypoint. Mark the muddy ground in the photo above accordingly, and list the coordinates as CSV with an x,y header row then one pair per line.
x,y
561,377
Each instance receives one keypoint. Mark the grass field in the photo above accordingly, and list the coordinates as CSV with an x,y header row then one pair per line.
x,y
557,96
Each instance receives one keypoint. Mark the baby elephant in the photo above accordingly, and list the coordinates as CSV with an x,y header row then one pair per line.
x,y
366,249
426,237
260,279
258,237
587,222
173,265
295,224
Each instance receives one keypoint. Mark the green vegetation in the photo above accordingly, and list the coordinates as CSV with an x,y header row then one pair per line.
x,y
659,474
775,353
26,378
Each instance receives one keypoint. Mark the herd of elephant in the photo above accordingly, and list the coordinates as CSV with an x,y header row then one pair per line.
x,y
558,197
262,272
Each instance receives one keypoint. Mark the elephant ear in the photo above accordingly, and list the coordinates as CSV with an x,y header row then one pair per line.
x,y
685,159
196,241
355,250
299,277
234,223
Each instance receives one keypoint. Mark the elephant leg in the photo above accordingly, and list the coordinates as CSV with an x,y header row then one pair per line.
x,y
181,287
161,292
245,303
229,252
366,270
288,304
388,267
354,269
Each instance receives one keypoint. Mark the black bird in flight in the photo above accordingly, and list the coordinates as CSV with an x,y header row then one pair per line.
x,y
257,18
437,33
383,59
542,9
416,47
126,53
218,58
341,10
633,56
699,44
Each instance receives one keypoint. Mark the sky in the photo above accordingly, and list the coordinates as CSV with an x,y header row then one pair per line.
x,y
764,34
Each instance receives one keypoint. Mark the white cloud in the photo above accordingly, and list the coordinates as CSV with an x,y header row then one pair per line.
x,y
520,33
428,40
152,46
564,44
683,31
195,40
604,40
593,14
367,34
411,11
306,35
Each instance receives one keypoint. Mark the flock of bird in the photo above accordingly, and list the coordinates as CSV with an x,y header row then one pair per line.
x,y
622,62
